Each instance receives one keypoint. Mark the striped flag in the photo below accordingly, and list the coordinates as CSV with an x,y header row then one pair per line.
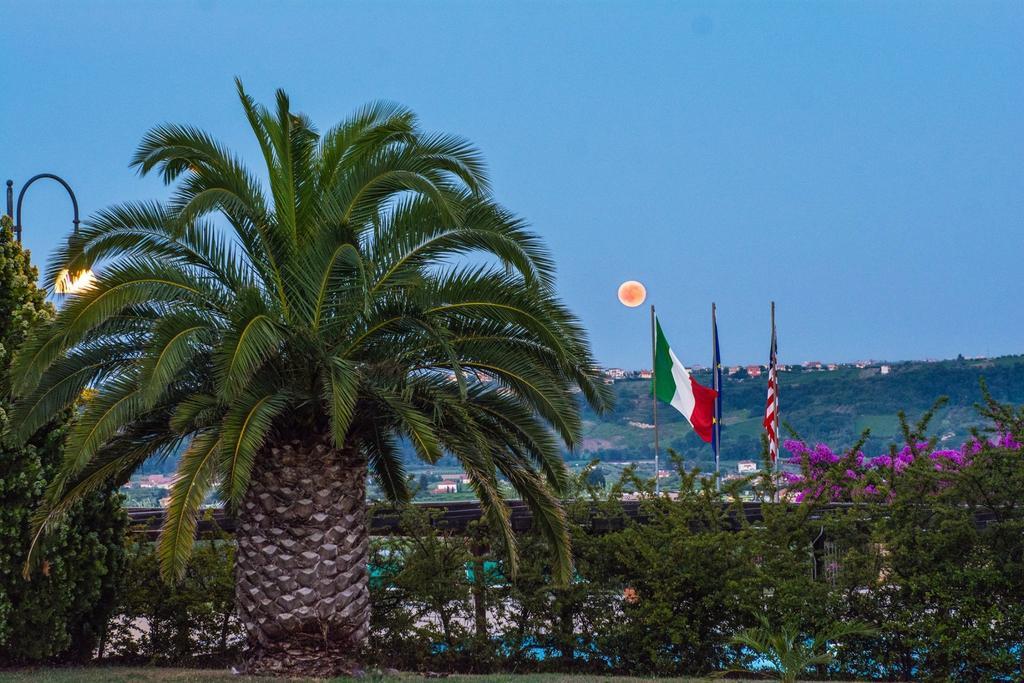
x,y
674,385
771,411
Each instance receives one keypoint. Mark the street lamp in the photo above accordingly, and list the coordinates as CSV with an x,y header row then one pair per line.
x,y
67,282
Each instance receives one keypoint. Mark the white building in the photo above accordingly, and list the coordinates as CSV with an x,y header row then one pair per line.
x,y
746,467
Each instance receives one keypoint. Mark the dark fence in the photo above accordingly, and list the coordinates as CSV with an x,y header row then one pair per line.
x,y
457,516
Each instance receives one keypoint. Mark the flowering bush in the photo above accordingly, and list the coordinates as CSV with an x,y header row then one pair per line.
x,y
830,476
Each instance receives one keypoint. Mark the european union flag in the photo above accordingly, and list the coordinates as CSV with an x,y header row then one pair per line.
x,y
716,384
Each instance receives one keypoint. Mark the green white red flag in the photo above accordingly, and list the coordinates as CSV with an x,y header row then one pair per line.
x,y
674,385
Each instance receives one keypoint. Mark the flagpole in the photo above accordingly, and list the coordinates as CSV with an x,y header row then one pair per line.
x,y
775,351
715,361
654,397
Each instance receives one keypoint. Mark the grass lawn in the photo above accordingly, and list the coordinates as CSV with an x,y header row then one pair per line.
x,y
157,675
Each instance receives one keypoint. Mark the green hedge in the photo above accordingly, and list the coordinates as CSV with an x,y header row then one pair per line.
x,y
666,594
191,622
944,598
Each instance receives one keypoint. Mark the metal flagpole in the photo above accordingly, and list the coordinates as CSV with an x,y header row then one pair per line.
x,y
774,360
715,361
654,396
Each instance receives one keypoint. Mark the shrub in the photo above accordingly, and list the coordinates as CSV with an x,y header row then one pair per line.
x,y
939,569
61,612
421,595
192,621
932,567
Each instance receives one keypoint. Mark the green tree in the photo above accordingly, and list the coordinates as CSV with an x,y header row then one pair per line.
x,y
596,476
369,289
63,610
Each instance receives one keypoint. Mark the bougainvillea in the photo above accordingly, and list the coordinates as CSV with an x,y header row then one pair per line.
x,y
826,475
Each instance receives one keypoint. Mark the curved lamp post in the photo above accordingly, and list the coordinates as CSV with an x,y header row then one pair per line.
x,y
67,283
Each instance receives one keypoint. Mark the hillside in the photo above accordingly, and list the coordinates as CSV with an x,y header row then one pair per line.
x,y
823,406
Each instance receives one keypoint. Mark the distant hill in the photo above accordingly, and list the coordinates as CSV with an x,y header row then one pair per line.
x,y
824,406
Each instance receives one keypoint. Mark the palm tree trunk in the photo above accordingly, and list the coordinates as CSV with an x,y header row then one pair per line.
x,y
301,577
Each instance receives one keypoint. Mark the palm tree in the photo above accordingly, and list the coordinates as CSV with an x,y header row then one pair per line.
x,y
789,651
293,332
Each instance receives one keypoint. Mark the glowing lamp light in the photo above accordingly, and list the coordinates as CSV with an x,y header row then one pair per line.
x,y
632,293
66,284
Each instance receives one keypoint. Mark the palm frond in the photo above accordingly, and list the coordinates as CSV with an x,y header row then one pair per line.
x,y
194,412
176,341
117,406
254,338
243,432
385,462
412,423
192,482
62,384
341,390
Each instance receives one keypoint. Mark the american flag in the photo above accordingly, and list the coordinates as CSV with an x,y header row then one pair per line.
x,y
771,411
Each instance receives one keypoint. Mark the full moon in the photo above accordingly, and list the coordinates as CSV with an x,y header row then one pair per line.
x,y
632,293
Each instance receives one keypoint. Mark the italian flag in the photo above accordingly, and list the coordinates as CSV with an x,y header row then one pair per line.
x,y
673,384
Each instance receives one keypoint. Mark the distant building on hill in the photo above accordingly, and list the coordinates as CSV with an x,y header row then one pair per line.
x,y
156,481
615,373
812,365
445,487
884,369
754,370
645,374
746,467
733,369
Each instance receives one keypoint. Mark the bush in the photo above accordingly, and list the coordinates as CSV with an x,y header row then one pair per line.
x,y
422,597
61,612
190,622
945,593
931,564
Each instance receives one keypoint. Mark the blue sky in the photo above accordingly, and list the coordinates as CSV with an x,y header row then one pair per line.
x,y
860,163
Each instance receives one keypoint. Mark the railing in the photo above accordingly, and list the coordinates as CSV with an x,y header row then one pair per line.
x,y
457,516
